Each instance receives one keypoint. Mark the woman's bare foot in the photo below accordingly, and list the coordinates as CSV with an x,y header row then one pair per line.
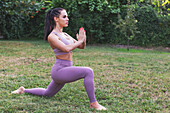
x,y
97,106
19,91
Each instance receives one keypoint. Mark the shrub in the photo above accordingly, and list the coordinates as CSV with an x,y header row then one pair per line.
x,y
94,15
153,30
14,17
35,26
21,20
127,26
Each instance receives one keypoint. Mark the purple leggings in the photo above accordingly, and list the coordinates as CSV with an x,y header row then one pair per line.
x,y
63,72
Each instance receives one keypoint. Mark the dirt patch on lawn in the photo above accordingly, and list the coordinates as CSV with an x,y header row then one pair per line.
x,y
165,49
160,48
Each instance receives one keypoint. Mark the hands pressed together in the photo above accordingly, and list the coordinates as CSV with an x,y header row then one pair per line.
x,y
82,35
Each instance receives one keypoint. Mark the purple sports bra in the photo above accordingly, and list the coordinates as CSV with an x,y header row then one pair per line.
x,y
65,41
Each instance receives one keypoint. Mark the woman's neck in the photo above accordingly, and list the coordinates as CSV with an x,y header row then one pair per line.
x,y
58,29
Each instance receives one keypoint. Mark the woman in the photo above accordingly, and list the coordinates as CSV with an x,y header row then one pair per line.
x,y
62,71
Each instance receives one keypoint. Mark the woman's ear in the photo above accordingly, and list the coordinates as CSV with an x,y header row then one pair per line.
x,y
55,19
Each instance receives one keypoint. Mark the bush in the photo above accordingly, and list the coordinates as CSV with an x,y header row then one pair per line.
x,y
15,16
21,20
94,15
153,30
165,26
35,26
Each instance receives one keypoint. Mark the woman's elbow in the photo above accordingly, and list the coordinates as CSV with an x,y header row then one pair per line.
x,y
67,50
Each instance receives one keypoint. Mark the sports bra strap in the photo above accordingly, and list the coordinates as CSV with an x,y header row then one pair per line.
x,y
59,36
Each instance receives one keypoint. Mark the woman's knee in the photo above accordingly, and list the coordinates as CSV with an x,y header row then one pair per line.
x,y
48,94
89,72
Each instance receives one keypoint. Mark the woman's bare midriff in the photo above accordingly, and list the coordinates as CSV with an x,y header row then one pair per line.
x,y
65,56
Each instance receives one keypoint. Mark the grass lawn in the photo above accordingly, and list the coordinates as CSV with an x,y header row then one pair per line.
x,y
134,81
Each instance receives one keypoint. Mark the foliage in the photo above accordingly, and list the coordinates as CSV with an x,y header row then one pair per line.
x,y
97,17
93,15
125,82
127,26
162,6
15,15
36,25
25,18
153,31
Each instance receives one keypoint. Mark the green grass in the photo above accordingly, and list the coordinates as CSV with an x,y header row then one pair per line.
x,y
134,81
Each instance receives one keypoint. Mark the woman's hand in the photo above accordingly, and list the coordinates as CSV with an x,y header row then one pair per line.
x,y
82,35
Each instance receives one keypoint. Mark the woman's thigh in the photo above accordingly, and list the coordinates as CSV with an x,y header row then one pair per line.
x,y
70,74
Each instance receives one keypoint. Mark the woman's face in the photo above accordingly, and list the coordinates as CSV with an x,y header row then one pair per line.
x,y
63,19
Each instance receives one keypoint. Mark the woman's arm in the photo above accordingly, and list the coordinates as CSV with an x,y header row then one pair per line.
x,y
56,43
83,45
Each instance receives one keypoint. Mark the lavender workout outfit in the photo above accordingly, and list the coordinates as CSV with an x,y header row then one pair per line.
x,y
63,72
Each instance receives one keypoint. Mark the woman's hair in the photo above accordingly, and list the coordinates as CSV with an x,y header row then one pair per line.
x,y
49,21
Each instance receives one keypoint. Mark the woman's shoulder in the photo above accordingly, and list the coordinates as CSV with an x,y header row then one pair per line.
x,y
52,36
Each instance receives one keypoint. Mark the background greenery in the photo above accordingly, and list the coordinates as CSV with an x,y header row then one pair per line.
x,y
21,20
125,81
15,17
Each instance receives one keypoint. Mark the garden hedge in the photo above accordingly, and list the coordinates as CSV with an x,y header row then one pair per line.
x,y
97,18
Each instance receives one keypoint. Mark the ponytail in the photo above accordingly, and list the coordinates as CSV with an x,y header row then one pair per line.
x,y
49,21
47,28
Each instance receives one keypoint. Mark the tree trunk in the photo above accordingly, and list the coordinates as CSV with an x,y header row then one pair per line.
x,y
150,2
128,46
0,35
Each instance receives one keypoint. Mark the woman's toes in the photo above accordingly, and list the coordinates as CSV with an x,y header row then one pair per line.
x,y
98,107
19,91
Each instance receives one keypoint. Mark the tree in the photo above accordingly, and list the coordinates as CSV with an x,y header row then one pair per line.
x,y
127,26
162,6
14,16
